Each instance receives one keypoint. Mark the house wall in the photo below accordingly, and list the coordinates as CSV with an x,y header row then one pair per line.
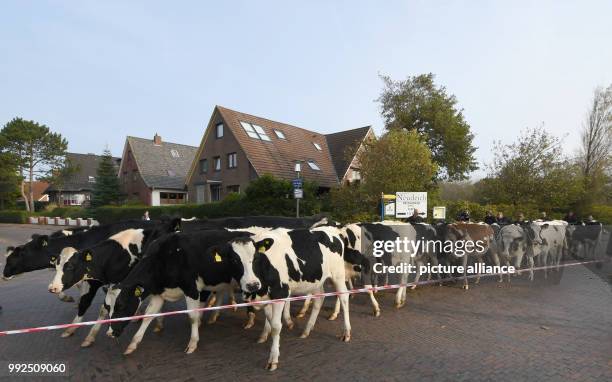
x,y
212,147
135,189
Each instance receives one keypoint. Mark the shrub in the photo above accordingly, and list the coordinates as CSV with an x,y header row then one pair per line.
x,y
13,216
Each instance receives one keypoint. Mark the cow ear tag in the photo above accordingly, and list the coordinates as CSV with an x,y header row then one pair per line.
x,y
88,257
44,243
217,257
138,292
262,249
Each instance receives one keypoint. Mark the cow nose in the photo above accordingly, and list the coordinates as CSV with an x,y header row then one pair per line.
x,y
53,289
253,287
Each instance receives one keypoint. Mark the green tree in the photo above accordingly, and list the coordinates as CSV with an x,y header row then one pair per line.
x,y
9,181
36,150
397,161
417,104
268,195
106,189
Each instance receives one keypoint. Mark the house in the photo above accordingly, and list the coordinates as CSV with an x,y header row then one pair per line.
x,y
153,171
77,188
39,188
237,148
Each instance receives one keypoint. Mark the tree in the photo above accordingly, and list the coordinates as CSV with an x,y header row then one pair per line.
x,y
106,190
417,104
532,171
397,161
36,150
60,175
9,181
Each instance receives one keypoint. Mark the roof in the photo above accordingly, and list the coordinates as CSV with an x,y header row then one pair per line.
x,y
87,165
339,143
157,166
278,156
39,188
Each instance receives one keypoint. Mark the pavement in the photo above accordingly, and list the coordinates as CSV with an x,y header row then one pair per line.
x,y
558,329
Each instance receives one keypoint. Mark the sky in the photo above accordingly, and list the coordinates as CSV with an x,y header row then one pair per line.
x,y
98,71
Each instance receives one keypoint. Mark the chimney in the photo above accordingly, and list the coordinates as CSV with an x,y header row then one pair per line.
x,y
157,140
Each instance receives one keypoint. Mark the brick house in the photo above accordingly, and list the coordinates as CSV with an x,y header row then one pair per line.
x,y
237,148
78,187
154,171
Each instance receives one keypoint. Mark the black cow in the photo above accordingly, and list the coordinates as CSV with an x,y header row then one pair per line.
x,y
188,265
107,262
584,239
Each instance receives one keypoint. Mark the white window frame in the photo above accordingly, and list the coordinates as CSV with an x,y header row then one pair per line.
x,y
217,163
280,134
317,146
313,165
232,160
217,126
255,131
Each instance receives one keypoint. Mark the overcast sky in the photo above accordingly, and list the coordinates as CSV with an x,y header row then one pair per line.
x,y
96,72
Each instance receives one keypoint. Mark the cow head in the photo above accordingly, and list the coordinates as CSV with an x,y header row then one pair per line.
x,y
28,257
123,301
70,268
245,252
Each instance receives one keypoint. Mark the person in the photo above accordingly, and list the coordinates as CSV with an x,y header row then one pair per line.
x,y
416,217
543,216
520,219
146,216
501,219
590,220
464,216
571,218
489,218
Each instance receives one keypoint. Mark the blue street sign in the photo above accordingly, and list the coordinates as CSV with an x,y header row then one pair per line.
x,y
297,183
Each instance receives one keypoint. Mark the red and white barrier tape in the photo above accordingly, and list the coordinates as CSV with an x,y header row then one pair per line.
x,y
265,302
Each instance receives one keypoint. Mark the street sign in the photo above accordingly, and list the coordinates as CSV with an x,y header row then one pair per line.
x,y
298,193
406,202
297,183
439,213
390,209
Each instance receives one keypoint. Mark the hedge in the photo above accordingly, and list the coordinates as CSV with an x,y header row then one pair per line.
x,y
14,216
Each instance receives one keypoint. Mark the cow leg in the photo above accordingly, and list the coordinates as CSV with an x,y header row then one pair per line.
x,y
89,292
91,337
250,318
464,260
344,301
336,311
373,301
418,274
273,315
217,302
316,307
305,307
495,258
263,337
213,299
287,315
530,261
155,304
195,324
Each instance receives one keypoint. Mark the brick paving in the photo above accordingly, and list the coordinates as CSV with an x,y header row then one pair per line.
x,y
554,330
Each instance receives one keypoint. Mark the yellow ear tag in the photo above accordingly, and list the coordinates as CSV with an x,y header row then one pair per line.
x,y
44,243
137,292
217,257
262,249
88,257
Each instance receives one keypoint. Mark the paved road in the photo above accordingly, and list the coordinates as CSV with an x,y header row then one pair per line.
x,y
544,331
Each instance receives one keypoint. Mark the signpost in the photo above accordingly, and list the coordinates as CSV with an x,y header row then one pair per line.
x,y
298,192
439,213
406,202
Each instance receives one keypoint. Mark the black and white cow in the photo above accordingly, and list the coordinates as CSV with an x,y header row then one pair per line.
x,y
105,263
188,265
584,239
68,232
254,221
283,263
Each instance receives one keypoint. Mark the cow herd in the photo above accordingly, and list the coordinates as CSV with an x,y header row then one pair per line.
x,y
262,258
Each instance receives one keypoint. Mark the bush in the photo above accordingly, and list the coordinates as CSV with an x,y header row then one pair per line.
x,y
14,216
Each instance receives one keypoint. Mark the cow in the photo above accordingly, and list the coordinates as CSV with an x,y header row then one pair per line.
x,y
481,235
584,239
554,242
105,263
515,241
178,265
280,263
254,221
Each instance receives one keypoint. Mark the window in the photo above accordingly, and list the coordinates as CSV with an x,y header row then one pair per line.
x,y
203,166
217,162
174,153
219,130
313,165
234,188
317,146
215,192
232,160
91,179
255,131
279,134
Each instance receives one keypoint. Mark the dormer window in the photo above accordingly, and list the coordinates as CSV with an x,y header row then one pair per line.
x,y
313,165
317,146
174,153
255,131
279,134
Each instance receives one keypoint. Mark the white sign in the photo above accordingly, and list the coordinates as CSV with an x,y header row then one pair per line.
x,y
406,202
390,209
439,213
298,193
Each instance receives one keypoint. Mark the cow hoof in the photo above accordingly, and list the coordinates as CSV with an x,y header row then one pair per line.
x,y
131,349
305,335
262,339
413,287
67,334
87,343
400,304
376,312
249,325
191,348
271,366
466,287
332,317
346,337
290,325
212,320
300,315
67,298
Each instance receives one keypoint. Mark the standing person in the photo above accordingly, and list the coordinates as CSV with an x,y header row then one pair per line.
x,y
520,219
543,216
146,216
570,218
489,218
501,219
416,217
464,216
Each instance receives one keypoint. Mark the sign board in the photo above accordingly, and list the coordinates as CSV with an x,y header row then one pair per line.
x,y
406,202
390,209
298,193
297,183
439,213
